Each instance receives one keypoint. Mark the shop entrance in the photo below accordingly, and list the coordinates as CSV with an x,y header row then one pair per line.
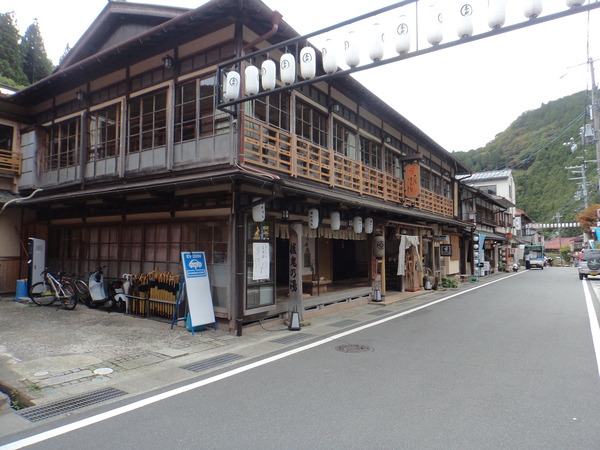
x,y
282,265
350,260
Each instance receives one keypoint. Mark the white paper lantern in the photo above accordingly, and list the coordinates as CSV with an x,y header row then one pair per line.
x,y
258,211
435,30
464,27
313,218
574,3
268,74
308,63
357,223
352,50
252,80
377,47
403,37
335,220
532,8
232,86
287,65
369,225
329,58
496,13
378,246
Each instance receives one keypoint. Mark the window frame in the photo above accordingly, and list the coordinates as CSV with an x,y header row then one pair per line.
x,y
62,145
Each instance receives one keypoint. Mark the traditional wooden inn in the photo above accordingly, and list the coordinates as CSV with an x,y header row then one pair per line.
x,y
320,198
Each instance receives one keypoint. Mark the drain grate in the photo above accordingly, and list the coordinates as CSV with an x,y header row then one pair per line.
x,y
381,312
211,363
354,348
292,338
344,323
37,413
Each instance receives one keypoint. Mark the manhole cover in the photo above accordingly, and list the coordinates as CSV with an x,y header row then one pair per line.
x,y
353,348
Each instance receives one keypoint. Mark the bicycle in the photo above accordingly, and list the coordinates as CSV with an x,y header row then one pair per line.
x,y
51,290
82,289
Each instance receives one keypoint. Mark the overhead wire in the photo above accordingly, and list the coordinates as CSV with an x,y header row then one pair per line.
x,y
560,133
584,114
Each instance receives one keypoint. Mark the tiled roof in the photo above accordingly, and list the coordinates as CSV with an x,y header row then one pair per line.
x,y
490,175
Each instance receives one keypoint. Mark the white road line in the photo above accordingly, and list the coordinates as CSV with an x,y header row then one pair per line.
x,y
594,327
165,395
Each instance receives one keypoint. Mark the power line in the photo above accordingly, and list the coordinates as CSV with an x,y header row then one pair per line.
x,y
545,146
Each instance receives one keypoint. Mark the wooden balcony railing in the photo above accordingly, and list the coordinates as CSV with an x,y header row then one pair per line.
x,y
278,150
10,161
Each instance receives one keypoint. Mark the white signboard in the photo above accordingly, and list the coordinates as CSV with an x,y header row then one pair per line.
x,y
260,268
197,286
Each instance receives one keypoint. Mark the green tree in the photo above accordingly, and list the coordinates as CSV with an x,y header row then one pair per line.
x,y
36,64
11,61
564,254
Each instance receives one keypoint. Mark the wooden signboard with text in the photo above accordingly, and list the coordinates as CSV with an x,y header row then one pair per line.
x,y
412,180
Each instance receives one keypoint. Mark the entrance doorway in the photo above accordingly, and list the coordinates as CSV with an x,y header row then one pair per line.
x,y
350,260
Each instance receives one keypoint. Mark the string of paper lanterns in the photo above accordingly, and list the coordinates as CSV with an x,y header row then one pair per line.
x,y
357,223
266,77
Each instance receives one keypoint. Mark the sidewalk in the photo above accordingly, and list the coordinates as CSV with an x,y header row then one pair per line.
x,y
50,355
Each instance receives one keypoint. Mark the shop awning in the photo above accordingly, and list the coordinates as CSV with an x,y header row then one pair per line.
x,y
407,225
494,236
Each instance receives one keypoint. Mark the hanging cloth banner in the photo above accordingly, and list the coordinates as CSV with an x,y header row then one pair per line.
x,y
407,242
480,255
198,289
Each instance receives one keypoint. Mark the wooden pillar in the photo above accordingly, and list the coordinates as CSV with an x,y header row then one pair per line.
x,y
295,267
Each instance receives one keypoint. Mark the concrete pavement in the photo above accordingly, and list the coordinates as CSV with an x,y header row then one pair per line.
x,y
49,355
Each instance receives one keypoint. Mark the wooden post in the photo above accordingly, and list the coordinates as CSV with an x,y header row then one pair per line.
x,y
295,268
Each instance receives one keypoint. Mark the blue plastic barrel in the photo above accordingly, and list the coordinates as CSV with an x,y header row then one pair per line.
x,y
21,290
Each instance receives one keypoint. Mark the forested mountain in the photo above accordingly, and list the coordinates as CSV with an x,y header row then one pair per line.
x,y
533,147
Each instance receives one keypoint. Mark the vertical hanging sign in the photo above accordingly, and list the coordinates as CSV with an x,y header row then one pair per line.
x,y
198,290
481,255
412,180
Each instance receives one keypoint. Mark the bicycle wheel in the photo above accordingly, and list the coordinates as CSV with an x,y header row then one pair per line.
x,y
41,294
82,291
71,296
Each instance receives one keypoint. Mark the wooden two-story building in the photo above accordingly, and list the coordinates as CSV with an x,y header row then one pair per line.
x,y
136,164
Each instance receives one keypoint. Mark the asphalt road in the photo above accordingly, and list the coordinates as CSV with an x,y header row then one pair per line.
x,y
506,365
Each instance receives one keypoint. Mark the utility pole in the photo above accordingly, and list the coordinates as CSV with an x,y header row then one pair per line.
x,y
558,216
580,170
596,118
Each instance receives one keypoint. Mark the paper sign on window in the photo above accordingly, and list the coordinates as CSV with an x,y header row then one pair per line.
x,y
260,270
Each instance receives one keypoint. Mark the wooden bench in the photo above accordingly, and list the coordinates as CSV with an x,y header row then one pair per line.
x,y
315,287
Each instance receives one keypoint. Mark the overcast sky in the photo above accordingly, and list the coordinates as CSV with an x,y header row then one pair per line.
x,y
461,97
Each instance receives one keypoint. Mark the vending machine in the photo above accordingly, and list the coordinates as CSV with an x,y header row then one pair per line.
x,y
37,260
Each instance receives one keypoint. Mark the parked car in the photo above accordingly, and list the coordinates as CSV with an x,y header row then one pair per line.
x,y
589,263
